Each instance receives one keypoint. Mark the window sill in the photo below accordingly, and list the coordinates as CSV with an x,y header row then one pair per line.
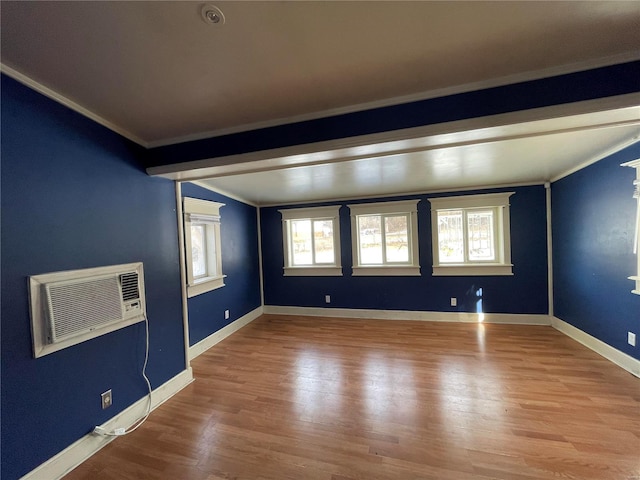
x,y
205,285
312,271
390,271
472,270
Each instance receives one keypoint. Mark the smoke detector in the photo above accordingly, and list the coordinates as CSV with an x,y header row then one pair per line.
x,y
212,14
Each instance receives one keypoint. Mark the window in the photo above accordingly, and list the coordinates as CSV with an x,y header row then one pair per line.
x,y
385,238
311,238
202,245
471,235
636,235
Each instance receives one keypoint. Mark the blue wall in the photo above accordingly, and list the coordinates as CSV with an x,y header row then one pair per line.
x,y
240,263
593,215
524,292
74,196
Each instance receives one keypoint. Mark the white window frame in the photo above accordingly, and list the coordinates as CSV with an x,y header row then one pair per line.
x,y
404,207
312,214
206,213
496,202
636,245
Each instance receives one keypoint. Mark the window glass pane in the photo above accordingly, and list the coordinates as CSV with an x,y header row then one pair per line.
x,y
323,241
198,250
450,236
396,239
370,237
480,232
301,242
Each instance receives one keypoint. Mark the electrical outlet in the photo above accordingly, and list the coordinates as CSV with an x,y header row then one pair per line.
x,y
107,399
454,302
226,314
631,338
327,299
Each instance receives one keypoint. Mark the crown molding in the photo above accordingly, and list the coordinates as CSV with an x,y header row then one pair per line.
x,y
202,184
599,156
413,193
53,95
416,97
463,88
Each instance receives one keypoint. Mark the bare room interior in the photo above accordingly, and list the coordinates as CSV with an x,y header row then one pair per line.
x,y
346,240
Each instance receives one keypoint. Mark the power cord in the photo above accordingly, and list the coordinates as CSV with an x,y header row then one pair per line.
x,y
118,432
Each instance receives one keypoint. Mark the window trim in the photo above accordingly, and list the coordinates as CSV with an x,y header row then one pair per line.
x,y
332,213
636,248
402,207
499,203
207,213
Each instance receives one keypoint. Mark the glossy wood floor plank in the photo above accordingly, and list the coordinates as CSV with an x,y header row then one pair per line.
x,y
336,399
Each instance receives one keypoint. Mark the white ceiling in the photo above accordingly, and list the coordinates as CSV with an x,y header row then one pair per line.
x,y
157,73
527,152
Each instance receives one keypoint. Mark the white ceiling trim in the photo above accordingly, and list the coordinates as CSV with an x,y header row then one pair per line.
x,y
386,143
469,87
597,158
442,92
53,95
223,192
403,194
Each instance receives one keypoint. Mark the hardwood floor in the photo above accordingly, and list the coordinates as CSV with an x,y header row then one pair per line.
x,y
336,399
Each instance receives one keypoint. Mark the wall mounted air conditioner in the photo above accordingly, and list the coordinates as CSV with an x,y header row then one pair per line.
x,y
71,307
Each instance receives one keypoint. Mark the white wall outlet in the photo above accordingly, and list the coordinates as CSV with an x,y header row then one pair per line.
x,y
226,314
631,338
454,302
107,399
327,299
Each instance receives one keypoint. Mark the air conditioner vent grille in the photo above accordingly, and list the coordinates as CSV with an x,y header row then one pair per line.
x,y
129,283
76,307
73,306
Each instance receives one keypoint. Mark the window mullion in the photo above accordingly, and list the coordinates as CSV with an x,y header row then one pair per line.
x,y
486,240
308,255
313,241
358,240
383,238
465,237
409,240
387,221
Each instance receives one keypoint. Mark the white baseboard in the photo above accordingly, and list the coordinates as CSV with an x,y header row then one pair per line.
x,y
76,453
521,319
211,340
612,354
